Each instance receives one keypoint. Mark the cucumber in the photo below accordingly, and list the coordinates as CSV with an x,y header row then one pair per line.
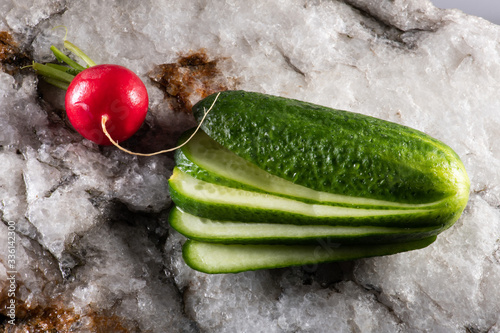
x,y
230,232
215,258
335,151
219,202
268,181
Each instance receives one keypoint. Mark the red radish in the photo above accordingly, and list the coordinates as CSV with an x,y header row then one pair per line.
x,y
106,104
110,91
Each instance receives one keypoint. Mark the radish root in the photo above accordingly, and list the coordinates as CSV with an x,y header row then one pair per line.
x,y
64,27
105,118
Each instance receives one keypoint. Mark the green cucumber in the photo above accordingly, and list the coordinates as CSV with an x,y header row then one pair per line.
x,y
217,258
205,159
218,202
229,232
269,182
335,151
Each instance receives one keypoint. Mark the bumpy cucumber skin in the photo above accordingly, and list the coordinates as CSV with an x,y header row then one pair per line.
x,y
237,258
363,236
335,151
226,163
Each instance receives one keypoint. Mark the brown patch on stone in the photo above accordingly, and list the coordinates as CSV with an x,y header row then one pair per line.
x,y
50,319
57,318
190,79
8,48
11,57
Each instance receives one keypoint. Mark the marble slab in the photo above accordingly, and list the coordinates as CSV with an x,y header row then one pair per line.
x,y
93,248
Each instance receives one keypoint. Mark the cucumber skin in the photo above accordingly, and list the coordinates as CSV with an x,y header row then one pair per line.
x,y
315,254
335,151
439,218
186,162
175,221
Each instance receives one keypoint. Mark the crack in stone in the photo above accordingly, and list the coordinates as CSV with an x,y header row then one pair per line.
x,y
383,22
159,239
290,64
59,11
64,182
182,293
433,301
393,34
378,294
483,194
471,328
183,296
496,252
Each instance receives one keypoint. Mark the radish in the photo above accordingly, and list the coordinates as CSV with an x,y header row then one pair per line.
x,y
111,92
105,103
98,93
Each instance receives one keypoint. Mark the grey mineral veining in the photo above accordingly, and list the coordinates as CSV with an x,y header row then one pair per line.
x,y
93,240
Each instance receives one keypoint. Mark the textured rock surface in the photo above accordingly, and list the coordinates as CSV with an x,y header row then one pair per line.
x,y
93,248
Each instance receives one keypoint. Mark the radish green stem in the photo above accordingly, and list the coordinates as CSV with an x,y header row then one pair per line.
x,y
58,67
75,50
62,57
53,73
69,70
60,75
56,83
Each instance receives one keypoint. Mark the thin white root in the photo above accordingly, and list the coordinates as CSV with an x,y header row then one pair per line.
x,y
65,28
105,118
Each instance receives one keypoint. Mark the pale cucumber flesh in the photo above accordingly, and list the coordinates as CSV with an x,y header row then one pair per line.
x,y
218,258
228,232
218,202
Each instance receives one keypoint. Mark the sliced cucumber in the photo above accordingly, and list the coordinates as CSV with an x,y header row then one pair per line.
x,y
218,202
205,159
229,232
274,182
222,258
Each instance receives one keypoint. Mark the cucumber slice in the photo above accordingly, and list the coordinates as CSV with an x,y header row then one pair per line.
x,y
224,203
205,159
229,232
217,258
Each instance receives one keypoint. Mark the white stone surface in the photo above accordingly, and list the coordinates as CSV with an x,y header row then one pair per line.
x,y
93,241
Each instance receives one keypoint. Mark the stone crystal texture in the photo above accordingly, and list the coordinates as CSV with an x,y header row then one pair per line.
x,y
94,251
